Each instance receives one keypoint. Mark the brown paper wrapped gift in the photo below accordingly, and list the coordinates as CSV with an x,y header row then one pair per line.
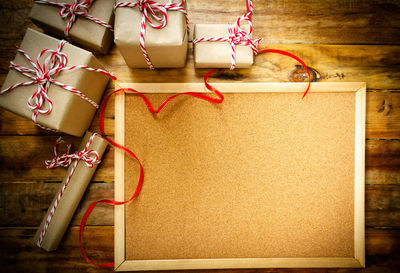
x,y
84,32
71,196
218,54
167,47
70,114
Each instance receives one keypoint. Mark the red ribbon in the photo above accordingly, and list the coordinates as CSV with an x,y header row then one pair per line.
x,y
141,176
294,57
155,111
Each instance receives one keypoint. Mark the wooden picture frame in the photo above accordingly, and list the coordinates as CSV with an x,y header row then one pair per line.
x,y
358,257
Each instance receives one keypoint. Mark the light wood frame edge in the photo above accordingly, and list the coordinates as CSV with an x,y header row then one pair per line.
x,y
359,175
121,264
119,188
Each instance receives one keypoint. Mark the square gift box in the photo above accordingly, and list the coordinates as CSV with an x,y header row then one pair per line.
x,y
218,54
84,32
69,112
166,47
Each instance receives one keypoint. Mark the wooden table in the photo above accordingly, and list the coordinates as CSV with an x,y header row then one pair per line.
x,y
340,40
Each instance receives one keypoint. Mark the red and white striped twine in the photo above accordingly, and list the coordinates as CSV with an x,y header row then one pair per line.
x,y
237,36
71,11
90,157
155,14
42,74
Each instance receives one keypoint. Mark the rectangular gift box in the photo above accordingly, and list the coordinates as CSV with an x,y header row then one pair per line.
x,y
71,196
70,114
167,47
84,32
218,54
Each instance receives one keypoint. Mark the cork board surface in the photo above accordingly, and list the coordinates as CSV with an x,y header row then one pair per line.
x,y
261,175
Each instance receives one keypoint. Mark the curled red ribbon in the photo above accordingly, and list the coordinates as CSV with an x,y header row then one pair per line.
x,y
219,99
141,176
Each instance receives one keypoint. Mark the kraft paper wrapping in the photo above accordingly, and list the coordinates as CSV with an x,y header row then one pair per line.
x,y
71,114
218,54
167,47
84,32
70,198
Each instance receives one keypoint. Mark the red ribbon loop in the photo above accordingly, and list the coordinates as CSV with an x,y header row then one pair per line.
x,y
218,99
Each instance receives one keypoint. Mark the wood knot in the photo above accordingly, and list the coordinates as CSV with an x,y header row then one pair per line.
x,y
385,107
299,74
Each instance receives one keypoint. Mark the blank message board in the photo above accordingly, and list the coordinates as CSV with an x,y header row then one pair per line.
x,y
264,180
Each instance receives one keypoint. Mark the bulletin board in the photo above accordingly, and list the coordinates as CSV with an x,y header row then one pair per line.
x,y
264,180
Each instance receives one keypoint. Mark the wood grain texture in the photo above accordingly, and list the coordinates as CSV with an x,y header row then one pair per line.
x,y
26,204
343,40
356,21
382,249
383,118
382,160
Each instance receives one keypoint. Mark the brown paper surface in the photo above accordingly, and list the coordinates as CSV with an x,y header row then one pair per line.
x,y
218,54
261,175
167,47
70,198
84,32
71,114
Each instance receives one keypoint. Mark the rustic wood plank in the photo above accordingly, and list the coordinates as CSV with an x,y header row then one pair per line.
x,y
25,204
356,21
382,160
359,21
383,118
19,166
21,255
332,62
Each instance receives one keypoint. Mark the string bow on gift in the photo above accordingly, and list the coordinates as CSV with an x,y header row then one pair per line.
x,y
42,74
155,14
89,157
237,36
71,11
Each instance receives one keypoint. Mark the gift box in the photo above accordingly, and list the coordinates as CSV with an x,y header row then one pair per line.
x,y
166,47
72,97
218,54
86,33
75,182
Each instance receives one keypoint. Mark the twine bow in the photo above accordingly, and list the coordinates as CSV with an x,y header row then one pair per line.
x,y
155,14
71,11
42,73
237,36
89,157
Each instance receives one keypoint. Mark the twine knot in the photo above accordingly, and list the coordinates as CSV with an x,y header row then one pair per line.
x,y
71,10
90,157
154,13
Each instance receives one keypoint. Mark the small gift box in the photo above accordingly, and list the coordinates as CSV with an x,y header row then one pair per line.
x,y
152,34
87,23
54,83
82,165
223,46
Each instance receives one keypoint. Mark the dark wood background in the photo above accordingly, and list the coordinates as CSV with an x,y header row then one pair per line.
x,y
342,40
